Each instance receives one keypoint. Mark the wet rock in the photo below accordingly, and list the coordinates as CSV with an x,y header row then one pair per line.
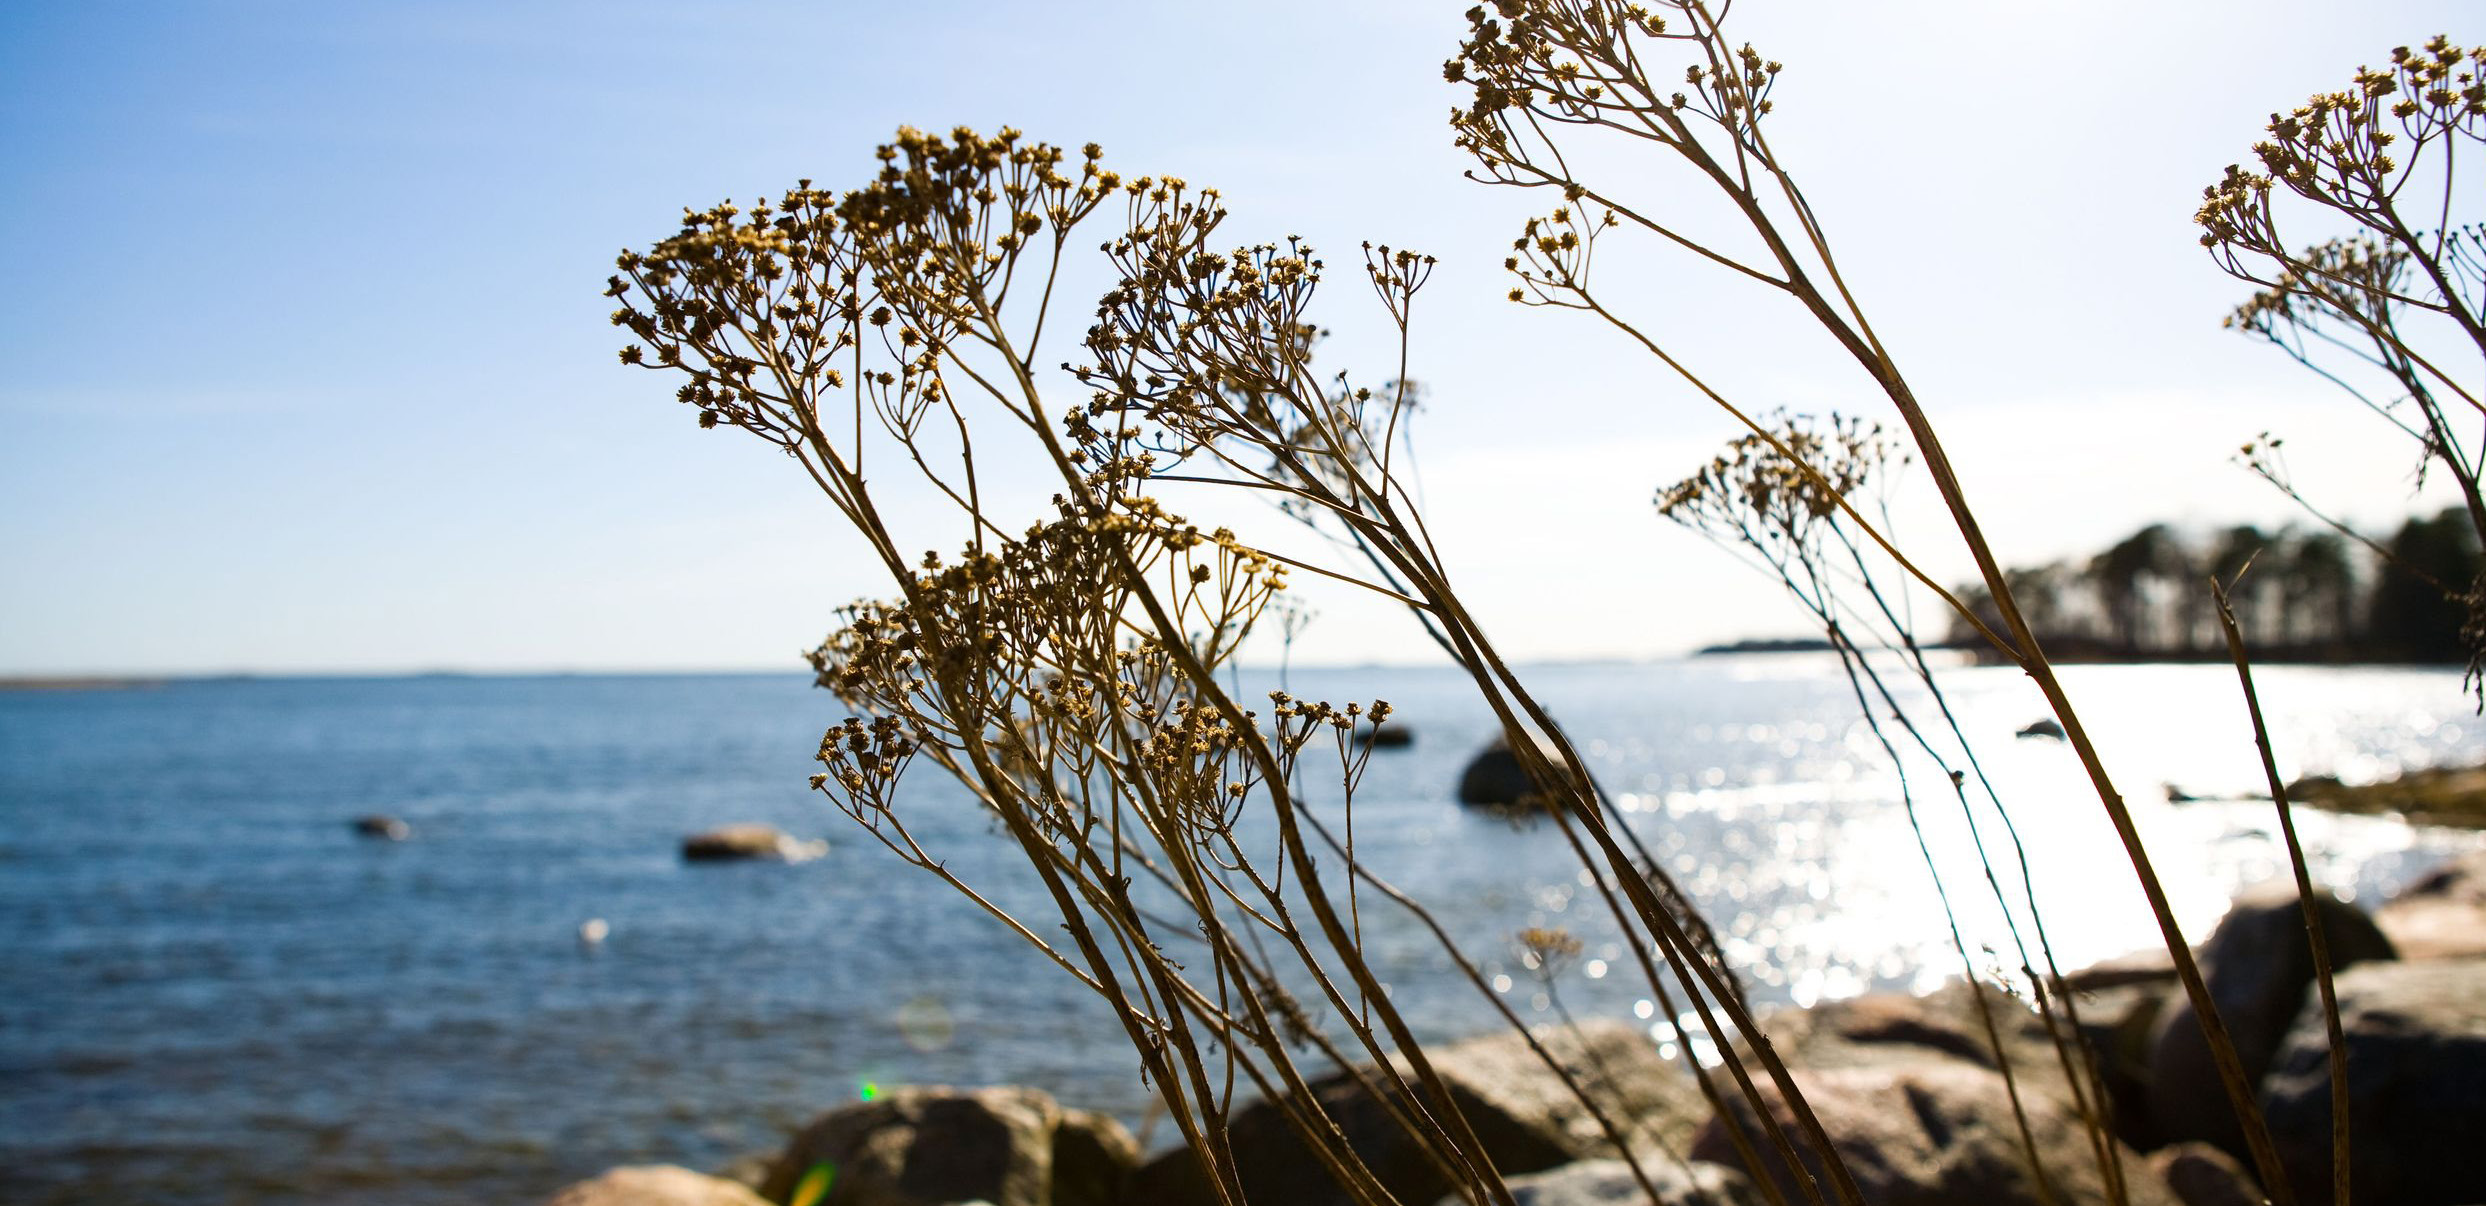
x,y
2443,914
936,1146
2202,1175
1093,1158
384,827
736,842
1938,1132
2258,966
1520,1110
1495,778
1385,736
2416,1046
656,1185
1609,1182
2046,727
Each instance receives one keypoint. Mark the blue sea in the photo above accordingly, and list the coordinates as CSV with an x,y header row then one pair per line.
x,y
214,990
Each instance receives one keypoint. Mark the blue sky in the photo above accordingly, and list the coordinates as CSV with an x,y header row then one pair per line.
x,y
307,367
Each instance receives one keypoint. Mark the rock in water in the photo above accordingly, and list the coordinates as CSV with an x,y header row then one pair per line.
x,y
2045,726
1936,1133
1495,778
747,841
384,827
2416,1042
2258,966
1386,736
656,1185
935,1146
1518,1107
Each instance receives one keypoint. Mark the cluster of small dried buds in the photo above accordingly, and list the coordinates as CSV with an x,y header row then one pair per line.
x,y
1578,62
1755,488
2358,275
1297,719
1189,754
2335,148
1547,951
752,305
864,760
1554,253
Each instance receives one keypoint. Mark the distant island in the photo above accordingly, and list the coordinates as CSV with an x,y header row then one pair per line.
x,y
2318,596
1767,645
79,683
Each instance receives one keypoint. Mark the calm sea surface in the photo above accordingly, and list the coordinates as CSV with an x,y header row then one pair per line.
x,y
213,991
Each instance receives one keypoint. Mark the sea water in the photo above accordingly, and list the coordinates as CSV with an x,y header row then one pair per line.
x,y
214,990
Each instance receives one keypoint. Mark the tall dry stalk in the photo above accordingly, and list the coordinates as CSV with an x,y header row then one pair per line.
x,y
1549,78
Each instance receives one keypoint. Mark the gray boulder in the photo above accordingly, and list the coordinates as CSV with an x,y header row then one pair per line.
x,y
656,1185
2443,914
2258,966
1609,1182
2416,1045
1938,1132
2202,1175
1521,1112
1887,1029
939,1146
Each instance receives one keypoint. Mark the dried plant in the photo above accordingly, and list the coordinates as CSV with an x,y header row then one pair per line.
x,y
1783,511
1557,86
1065,672
1201,855
2393,311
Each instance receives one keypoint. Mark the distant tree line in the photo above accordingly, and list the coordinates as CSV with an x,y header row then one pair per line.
x,y
2306,596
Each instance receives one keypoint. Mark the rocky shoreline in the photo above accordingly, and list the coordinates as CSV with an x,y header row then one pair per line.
x,y
1921,1112
2453,796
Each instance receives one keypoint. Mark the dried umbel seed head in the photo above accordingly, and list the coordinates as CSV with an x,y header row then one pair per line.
x,y
1547,952
2347,149
1771,491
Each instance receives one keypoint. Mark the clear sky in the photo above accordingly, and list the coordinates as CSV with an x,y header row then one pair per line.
x,y
306,366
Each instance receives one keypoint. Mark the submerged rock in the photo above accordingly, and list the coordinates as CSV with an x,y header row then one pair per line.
x,y
1521,1112
2416,1046
656,1185
733,842
2258,966
384,827
936,1146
